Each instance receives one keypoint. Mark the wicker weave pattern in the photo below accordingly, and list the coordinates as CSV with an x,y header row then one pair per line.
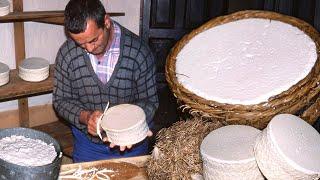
x,y
302,98
130,136
240,171
272,164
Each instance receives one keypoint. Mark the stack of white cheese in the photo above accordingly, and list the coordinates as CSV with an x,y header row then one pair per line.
x,y
34,69
4,7
289,148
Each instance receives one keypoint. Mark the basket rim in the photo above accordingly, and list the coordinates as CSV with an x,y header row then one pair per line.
x,y
298,97
178,89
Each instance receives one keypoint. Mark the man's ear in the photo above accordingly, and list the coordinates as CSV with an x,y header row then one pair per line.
x,y
107,21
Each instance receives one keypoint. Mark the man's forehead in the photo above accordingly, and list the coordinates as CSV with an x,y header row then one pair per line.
x,y
90,33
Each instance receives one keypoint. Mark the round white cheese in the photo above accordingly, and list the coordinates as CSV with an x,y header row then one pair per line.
x,y
34,69
245,61
289,148
4,7
4,74
227,153
125,124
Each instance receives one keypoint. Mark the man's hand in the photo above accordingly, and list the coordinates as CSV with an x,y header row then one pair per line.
x,y
90,119
123,148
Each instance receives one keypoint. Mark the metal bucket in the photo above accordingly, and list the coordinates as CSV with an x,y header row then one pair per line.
x,y
45,172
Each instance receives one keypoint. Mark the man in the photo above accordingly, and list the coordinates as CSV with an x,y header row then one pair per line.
x,y
101,62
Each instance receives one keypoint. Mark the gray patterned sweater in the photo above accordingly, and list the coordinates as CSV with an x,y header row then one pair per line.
x,y
77,87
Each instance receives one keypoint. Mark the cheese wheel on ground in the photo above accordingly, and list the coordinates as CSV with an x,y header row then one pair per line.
x,y
227,153
289,148
245,61
125,124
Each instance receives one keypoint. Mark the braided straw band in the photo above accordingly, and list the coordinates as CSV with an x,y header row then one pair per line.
x,y
128,136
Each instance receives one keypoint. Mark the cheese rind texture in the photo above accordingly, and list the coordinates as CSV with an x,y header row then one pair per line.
x,y
245,61
288,148
4,7
227,153
125,124
34,69
4,74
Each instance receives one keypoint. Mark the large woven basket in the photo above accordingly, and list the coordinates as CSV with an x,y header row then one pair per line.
x,y
301,99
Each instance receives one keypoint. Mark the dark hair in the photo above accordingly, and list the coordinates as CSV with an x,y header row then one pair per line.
x,y
77,12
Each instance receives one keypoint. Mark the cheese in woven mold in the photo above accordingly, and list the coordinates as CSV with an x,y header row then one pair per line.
x,y
245,61
125,124
289,148
227,153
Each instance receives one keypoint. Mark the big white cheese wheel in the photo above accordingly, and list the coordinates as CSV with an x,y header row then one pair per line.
x,y
227,153
125,124
289,148
4,7
4,74
34,69
245,61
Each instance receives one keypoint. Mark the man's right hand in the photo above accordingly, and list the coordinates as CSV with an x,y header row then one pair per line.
x,y
90,119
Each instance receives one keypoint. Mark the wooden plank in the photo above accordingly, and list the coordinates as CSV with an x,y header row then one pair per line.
x,y
24,120
19,33
20,55
54,17
60,20
29,15
124,168
51,20
18,88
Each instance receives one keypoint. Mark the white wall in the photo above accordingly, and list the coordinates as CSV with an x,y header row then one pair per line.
x,y
44,40
131,8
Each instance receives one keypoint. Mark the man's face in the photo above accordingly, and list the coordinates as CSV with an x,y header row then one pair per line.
x,y
93,39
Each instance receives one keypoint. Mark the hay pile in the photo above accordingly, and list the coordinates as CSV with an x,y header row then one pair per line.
x,y
177,150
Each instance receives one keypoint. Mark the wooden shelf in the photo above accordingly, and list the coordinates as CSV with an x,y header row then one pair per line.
x,y
18,88
124,168
25,16
51,17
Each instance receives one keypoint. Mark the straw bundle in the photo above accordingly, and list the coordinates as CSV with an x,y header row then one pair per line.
x,y
177,151
300,99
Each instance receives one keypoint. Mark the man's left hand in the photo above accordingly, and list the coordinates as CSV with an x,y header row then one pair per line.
x,y
123,148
